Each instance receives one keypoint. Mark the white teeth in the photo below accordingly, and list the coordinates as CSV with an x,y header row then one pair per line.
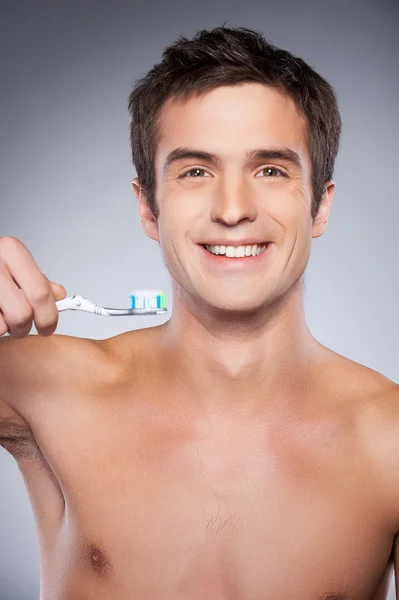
x,y
237,252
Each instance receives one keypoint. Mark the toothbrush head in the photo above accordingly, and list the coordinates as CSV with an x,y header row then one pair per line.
x,y
147,299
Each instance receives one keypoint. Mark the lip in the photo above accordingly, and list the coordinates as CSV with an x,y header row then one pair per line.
x,y
245,262
245,242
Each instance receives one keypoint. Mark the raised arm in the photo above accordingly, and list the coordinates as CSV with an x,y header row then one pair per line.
x,y
26,296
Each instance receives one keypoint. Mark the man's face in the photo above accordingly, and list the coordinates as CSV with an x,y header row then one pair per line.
x,y
240,196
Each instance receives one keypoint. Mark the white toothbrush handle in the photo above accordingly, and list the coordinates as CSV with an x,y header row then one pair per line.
x,y
82,303
76,303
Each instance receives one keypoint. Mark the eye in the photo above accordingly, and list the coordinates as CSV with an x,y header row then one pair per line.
x,y
196,170
271,172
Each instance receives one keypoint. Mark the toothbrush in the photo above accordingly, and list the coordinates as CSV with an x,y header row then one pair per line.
x,y
143,302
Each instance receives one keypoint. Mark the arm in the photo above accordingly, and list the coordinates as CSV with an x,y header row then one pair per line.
x,y
23,367
32,369
23,371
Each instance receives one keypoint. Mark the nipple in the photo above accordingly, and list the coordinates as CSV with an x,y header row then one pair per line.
x,y
98,559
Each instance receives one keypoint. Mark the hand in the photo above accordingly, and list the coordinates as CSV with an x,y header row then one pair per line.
x,y
26,294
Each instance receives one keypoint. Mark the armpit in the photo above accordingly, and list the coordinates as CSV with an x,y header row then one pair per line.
x,y
17,437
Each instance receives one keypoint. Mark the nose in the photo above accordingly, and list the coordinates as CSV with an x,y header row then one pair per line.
x,y
234,202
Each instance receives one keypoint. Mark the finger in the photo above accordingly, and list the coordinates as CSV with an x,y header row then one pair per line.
x,y
35,285
16,311
59,292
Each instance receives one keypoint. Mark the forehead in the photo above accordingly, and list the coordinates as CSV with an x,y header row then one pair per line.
x,y
229,119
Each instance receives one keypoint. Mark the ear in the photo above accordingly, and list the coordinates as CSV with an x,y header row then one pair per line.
x,y
148,222
321,219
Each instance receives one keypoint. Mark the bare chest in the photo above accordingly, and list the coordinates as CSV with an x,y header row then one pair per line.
x,y
159,507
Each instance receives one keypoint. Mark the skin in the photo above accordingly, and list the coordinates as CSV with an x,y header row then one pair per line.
x,y
227,453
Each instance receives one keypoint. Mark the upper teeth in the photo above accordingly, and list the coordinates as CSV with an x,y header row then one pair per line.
x,y
237,251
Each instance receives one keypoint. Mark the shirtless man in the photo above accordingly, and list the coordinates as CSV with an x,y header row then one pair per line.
x,y
225,454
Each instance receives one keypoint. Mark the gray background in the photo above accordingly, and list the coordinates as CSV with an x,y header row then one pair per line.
x,y
65,176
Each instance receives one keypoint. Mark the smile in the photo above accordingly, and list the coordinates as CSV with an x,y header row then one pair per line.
x,y
237,258
237,251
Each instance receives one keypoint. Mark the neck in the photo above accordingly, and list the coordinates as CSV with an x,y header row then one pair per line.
x,y
228,362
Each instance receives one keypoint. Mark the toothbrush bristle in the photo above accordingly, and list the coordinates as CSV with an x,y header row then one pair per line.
x,y
148,299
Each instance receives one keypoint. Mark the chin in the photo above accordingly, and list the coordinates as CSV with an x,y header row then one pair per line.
x,y
234,307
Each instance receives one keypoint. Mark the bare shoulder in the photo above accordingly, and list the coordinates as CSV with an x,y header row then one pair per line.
x,y
379,430
372,401
367,397
350,384
39,374
38,365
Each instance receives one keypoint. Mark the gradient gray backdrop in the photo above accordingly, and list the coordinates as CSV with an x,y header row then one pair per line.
x,y
65,176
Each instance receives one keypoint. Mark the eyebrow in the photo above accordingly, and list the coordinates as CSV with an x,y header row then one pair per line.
x,y
285,154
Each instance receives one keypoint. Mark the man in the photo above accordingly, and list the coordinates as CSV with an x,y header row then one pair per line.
x,y
227,453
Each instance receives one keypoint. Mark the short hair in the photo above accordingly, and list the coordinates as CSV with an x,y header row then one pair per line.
x,y
226,56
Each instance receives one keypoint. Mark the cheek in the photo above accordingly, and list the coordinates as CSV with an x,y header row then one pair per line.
x,y
174,226
179,204
291,214
169,251
183,213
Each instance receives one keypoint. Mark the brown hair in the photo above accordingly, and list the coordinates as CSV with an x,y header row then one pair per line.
x,y
230,56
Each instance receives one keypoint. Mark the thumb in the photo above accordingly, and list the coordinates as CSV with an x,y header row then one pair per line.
x,y
58,290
